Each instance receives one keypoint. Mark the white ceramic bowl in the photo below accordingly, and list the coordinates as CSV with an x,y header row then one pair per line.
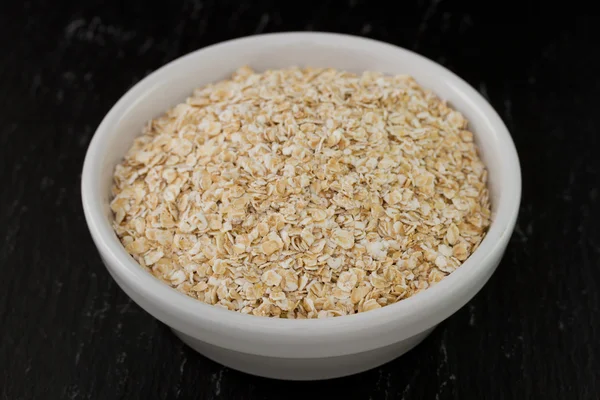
x,y
298,349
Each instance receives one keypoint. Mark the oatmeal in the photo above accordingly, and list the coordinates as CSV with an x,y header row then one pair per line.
x,y
303,193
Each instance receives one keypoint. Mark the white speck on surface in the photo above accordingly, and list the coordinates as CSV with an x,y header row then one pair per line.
x,y
465,23
146,45
388,385
121,358
443,366
101,312
78,353
96,32
519,232
529,229
216,380
264,20
46,182
85,136
366,29
446,22
69,75
405,391
483,91
444,351
508,108
423,25
593,194
182,366
74,26
471,315
36,83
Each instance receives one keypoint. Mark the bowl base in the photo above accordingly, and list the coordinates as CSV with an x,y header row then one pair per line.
x,y
302,369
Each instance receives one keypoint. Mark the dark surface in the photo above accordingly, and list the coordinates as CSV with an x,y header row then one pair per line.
x,y
68,332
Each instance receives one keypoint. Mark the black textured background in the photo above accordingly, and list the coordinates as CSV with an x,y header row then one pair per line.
x,y
68,332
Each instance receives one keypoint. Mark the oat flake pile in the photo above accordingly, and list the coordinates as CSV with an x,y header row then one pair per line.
x,y
303,193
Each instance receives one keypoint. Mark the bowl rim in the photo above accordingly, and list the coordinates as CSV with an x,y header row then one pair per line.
x,y
408,311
